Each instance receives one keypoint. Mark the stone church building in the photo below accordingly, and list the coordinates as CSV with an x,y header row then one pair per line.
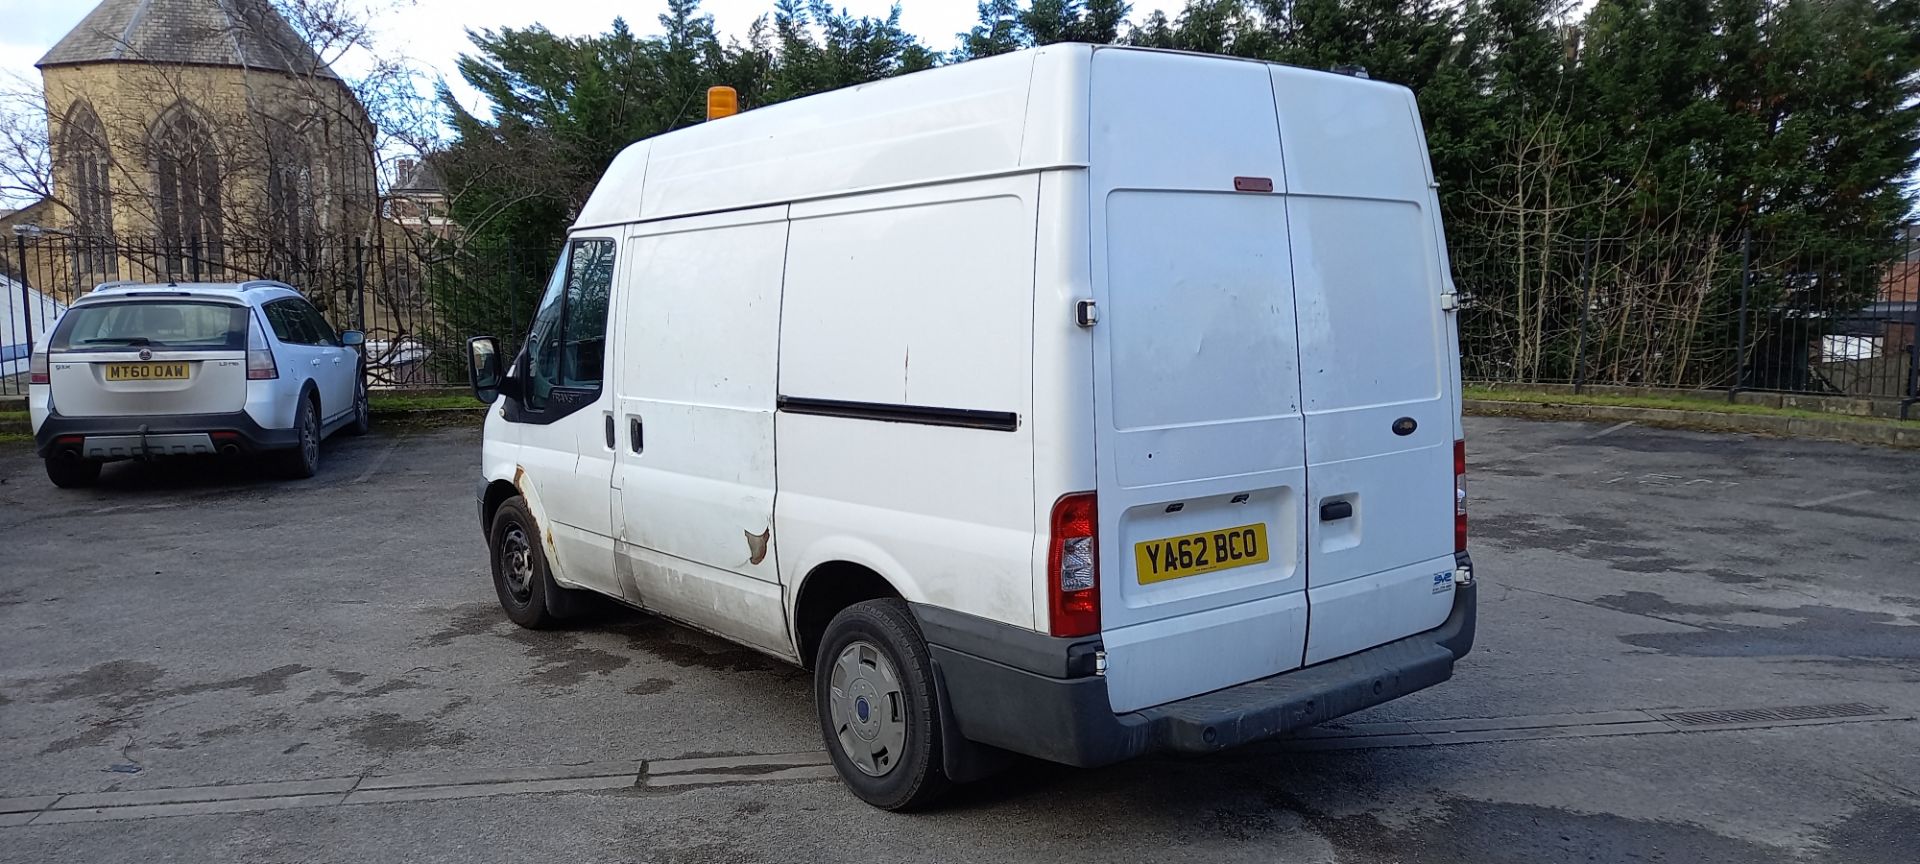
x,y
200,138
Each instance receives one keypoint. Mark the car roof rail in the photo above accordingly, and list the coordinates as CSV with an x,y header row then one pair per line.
x,y
251,284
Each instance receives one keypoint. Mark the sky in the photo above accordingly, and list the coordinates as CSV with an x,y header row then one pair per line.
x,y
432,33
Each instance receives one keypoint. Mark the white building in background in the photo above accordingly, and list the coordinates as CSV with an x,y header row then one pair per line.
x,y
18,311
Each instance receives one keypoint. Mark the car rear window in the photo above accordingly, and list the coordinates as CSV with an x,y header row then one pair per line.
x,y
200,326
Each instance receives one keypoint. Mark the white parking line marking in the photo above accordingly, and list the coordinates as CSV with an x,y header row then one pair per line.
x,y
1831,499
378,462
1610,429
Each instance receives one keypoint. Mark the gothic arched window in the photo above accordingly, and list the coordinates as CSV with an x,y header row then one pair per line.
x,y
186,174
85,156
292,227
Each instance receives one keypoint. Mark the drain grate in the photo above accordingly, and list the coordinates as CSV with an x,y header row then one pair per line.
x,y
1772,715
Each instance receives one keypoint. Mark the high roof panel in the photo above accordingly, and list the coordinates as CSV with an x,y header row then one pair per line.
x,y
1024,111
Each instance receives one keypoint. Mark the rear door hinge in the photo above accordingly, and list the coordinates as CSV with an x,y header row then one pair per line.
x,y
1449,301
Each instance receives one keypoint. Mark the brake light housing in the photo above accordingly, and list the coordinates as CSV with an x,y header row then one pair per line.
x,y
260,362
1073,567
37,368
1459,496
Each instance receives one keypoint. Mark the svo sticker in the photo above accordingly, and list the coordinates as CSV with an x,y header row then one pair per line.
x,y
1443,582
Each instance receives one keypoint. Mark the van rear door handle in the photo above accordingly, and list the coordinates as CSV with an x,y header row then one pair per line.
x,y
609,418
636,434
1333,511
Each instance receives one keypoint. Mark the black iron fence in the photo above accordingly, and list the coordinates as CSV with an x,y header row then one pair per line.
x,y
1801,314
417,300
1812,315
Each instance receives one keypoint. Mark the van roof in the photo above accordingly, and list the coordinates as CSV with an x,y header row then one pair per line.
x,y
1024,111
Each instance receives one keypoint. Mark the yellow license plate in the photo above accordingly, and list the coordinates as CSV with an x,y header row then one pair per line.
x,y
146,372
1205,552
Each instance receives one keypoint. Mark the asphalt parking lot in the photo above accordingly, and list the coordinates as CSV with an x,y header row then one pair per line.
x,y
200,666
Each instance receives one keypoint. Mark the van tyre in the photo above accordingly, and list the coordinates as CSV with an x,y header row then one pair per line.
x,y
520,575
68,472
873,690
303,460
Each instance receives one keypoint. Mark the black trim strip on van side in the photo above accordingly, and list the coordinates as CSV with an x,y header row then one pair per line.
x,y
926,415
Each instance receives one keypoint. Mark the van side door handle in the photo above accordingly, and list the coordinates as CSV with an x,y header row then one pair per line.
x,y
636,434
1333,511
609,418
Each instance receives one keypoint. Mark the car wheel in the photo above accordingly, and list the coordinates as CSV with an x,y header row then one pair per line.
x,y
520,566
873,689
362,413
69,472
303,460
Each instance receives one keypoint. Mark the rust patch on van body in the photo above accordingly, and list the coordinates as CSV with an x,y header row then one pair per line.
x,y
757,545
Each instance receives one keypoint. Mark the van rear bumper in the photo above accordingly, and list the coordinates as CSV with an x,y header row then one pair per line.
x,y
177,434
1004,699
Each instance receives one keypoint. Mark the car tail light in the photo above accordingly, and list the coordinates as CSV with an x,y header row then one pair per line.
x,y
37,368
1073,568
260,365
1459,496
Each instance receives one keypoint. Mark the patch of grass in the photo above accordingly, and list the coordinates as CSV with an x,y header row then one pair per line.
x,y
379,401
13,416
1670,402
15,438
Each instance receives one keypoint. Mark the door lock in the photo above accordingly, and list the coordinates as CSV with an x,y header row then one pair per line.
x,y
1086,313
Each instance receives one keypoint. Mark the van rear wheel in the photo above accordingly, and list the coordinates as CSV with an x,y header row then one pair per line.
x,y
873,689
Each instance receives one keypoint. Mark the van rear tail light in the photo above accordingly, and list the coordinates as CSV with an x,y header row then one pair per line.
x,y
1459,496
1073,571
260,365
37,368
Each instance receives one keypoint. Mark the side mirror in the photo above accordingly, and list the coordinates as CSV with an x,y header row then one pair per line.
x,y
483,368
353,338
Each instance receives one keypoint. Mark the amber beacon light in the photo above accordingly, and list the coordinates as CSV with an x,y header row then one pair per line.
x,y
722,102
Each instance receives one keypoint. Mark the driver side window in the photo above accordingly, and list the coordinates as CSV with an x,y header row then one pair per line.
x,y
566,347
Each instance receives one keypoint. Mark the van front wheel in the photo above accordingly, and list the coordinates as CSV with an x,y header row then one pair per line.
x,y
873,689
520,566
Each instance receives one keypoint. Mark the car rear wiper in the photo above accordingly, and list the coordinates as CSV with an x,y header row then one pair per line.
x,y
118,340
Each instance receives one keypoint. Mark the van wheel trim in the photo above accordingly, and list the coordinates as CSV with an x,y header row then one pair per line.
x,y
868,708
516,564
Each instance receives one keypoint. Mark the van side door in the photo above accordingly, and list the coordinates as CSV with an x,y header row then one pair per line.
x,y
695,386
565,460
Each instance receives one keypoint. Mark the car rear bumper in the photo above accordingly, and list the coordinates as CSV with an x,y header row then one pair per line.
x,y
1014,691
146,437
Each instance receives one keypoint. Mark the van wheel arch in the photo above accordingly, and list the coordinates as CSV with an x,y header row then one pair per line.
x,y
826,590
497,493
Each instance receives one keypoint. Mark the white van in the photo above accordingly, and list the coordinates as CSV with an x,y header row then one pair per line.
x,y
1079,403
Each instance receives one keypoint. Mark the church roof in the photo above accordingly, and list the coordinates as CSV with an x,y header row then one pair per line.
x,y
244,33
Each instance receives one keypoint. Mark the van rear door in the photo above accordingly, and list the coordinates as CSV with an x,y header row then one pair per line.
x,y
1201,454
1375,362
